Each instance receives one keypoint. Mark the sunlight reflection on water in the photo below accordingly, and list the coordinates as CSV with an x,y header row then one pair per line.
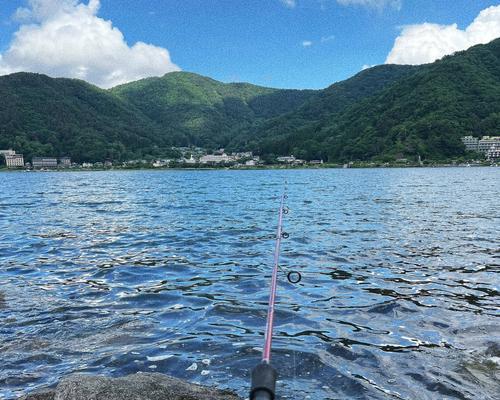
x,y
118,272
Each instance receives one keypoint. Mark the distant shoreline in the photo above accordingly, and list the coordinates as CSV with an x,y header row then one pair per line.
x,y
261,168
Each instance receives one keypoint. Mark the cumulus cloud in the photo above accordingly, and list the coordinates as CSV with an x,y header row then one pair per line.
x,y
380,4
289,3
425,43
307,43
66,38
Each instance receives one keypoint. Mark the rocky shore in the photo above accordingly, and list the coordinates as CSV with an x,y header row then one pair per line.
x,y
141,386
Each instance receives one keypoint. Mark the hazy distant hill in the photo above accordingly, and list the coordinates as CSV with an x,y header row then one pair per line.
x,y
384,112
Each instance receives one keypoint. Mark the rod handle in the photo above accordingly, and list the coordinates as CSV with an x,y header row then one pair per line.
x,y
263,382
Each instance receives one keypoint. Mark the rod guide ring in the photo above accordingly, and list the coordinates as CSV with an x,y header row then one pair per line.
x,y
294,277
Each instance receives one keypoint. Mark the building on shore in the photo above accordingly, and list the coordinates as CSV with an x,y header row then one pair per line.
x,y
217,159
286,159
65,162
482,145
44,162
470,143
161,163
493,153
245,154
487,142
14,161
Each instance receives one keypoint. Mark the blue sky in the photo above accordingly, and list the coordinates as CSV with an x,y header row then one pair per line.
x,y
279,43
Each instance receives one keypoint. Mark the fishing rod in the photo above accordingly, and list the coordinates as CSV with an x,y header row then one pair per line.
x,y
264,375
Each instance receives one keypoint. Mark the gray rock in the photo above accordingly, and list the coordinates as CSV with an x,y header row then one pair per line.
x,y
142,386
3,304
42,395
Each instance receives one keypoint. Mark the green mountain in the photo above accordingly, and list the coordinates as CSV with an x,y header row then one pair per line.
x,y
55,117
425,111
385,112
274,134
203,111
46,116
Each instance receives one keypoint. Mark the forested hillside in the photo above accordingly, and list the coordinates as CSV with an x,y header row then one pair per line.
x,y
203,111
383,113
274,134
55,117
424,112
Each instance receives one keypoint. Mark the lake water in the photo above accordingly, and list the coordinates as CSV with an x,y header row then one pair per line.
x,y
168,271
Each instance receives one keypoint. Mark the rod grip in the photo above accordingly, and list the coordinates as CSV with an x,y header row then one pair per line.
x,y
263,382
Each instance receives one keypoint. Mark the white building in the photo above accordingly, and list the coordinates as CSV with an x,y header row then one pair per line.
x,y
161,163
470,143
287,159
482,145
216,159
44,162
493,153
65,162
14,160
487,142
245,154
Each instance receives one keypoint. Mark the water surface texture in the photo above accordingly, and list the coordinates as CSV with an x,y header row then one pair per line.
x,y
168,271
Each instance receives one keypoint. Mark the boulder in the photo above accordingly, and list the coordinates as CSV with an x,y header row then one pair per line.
x,y
141,386
41,395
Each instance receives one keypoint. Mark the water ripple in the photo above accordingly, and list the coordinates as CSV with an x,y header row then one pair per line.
x,y
119,272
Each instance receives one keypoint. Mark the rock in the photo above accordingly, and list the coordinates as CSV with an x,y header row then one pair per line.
x,y
493,349
3,304
42,395
141,386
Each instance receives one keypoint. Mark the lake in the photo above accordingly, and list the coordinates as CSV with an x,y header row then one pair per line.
x,y
168,271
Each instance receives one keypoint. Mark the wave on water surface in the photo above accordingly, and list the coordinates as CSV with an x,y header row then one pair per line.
x,y
119,272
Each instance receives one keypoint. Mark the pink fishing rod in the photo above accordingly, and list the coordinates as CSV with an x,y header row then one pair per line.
x,y
266,354
264,375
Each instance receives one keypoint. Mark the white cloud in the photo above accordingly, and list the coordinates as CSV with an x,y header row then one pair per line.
x,y
66,38
425,43
289,3
380,4
307,43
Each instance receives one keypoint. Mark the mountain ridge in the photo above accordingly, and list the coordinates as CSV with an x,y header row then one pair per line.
x,y
384,112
